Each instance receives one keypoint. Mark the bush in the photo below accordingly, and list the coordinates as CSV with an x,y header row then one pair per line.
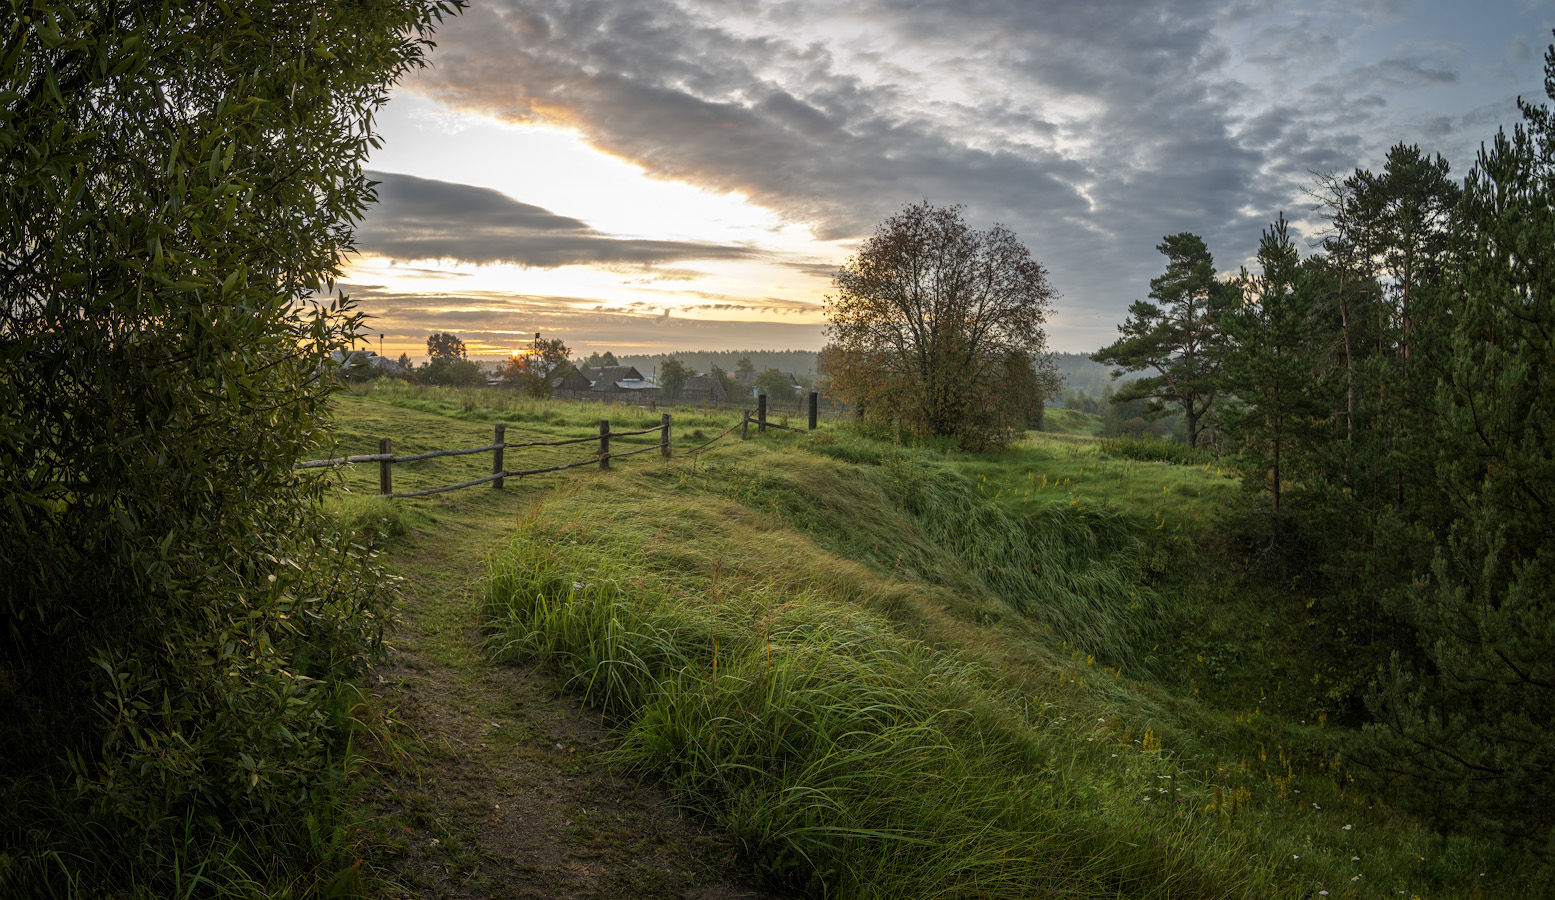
x,y
178,181
1158,451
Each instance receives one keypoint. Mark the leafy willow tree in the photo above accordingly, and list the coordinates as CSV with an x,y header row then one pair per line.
x,y
1179,338
938,328
178,185
1470,724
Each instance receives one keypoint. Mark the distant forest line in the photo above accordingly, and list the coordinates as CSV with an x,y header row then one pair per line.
x,y
1080,372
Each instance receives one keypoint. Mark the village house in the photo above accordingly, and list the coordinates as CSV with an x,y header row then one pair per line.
x,y
365,364
610,384
703,389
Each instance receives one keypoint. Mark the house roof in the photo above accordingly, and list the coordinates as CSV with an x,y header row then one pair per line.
x,y
611,373
705,384
572,380
351,359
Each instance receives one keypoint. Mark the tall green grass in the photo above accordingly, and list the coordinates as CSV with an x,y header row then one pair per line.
x,y
1079,568
815,639
783,640
69,850
844,758
1152,450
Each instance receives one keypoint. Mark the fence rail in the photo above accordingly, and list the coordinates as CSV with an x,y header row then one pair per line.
x,y
386,459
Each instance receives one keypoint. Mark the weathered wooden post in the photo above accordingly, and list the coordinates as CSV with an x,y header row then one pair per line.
x,y
604,444
499,438
386,467
745,424
664,435
761,413
815,399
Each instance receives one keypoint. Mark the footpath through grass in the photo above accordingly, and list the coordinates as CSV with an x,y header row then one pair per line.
x,y
488,780
885,671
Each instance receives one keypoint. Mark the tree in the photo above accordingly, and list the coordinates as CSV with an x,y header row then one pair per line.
x,y
673,375
1470,720
1180,339
444,345
597,360
533,369
744,366
730,386
931,322
775,385
1266,364
404,362
446,364
178,185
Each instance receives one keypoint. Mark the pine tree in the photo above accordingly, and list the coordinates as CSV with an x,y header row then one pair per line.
x,y
1180,338
1471,724
1268,367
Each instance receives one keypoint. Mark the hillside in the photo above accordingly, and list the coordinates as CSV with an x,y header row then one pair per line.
x,y
881,671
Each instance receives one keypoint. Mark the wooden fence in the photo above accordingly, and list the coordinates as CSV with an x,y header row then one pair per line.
x,y
386,459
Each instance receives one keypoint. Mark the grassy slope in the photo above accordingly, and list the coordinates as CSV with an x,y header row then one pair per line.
x,y
762,562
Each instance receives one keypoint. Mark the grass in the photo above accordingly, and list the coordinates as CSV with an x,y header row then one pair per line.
x,y
888,671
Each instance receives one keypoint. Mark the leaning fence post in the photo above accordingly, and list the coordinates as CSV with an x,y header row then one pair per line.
x,y
761,413
496,456
604,443
745,424
664,435
386,467
814,407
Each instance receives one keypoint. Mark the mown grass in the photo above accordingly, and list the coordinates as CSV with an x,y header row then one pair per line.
x,y
892,671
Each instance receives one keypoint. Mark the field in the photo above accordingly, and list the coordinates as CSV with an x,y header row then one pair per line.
x,y
836,665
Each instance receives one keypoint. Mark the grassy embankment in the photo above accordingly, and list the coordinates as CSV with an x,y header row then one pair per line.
x,y
890,671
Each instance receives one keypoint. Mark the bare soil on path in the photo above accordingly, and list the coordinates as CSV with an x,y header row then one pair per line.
x,y
490,783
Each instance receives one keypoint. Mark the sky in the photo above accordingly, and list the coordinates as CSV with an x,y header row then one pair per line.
x,y
647,176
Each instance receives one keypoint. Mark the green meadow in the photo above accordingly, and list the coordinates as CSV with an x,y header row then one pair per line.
x,y
889,669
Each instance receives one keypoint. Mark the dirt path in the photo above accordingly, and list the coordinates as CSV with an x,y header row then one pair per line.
x,y
497,789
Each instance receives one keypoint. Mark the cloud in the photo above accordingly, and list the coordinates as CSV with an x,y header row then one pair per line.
x,y
492,323
1091,129
424,219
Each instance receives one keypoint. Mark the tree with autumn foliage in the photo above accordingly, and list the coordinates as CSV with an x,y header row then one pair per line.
x,y
937,329
532,369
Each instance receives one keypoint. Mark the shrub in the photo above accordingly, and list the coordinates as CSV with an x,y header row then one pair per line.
x,y
179,181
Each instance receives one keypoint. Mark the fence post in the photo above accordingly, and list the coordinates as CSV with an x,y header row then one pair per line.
x,y
664,436
604,444
761,413
496,457
745,424
386,468
815,399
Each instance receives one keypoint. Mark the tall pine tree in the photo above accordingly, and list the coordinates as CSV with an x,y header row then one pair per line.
x,y
1471,722
1178,336
1268,367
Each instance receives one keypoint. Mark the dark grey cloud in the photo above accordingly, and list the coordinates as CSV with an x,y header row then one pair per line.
x,y
1091,129
424,219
